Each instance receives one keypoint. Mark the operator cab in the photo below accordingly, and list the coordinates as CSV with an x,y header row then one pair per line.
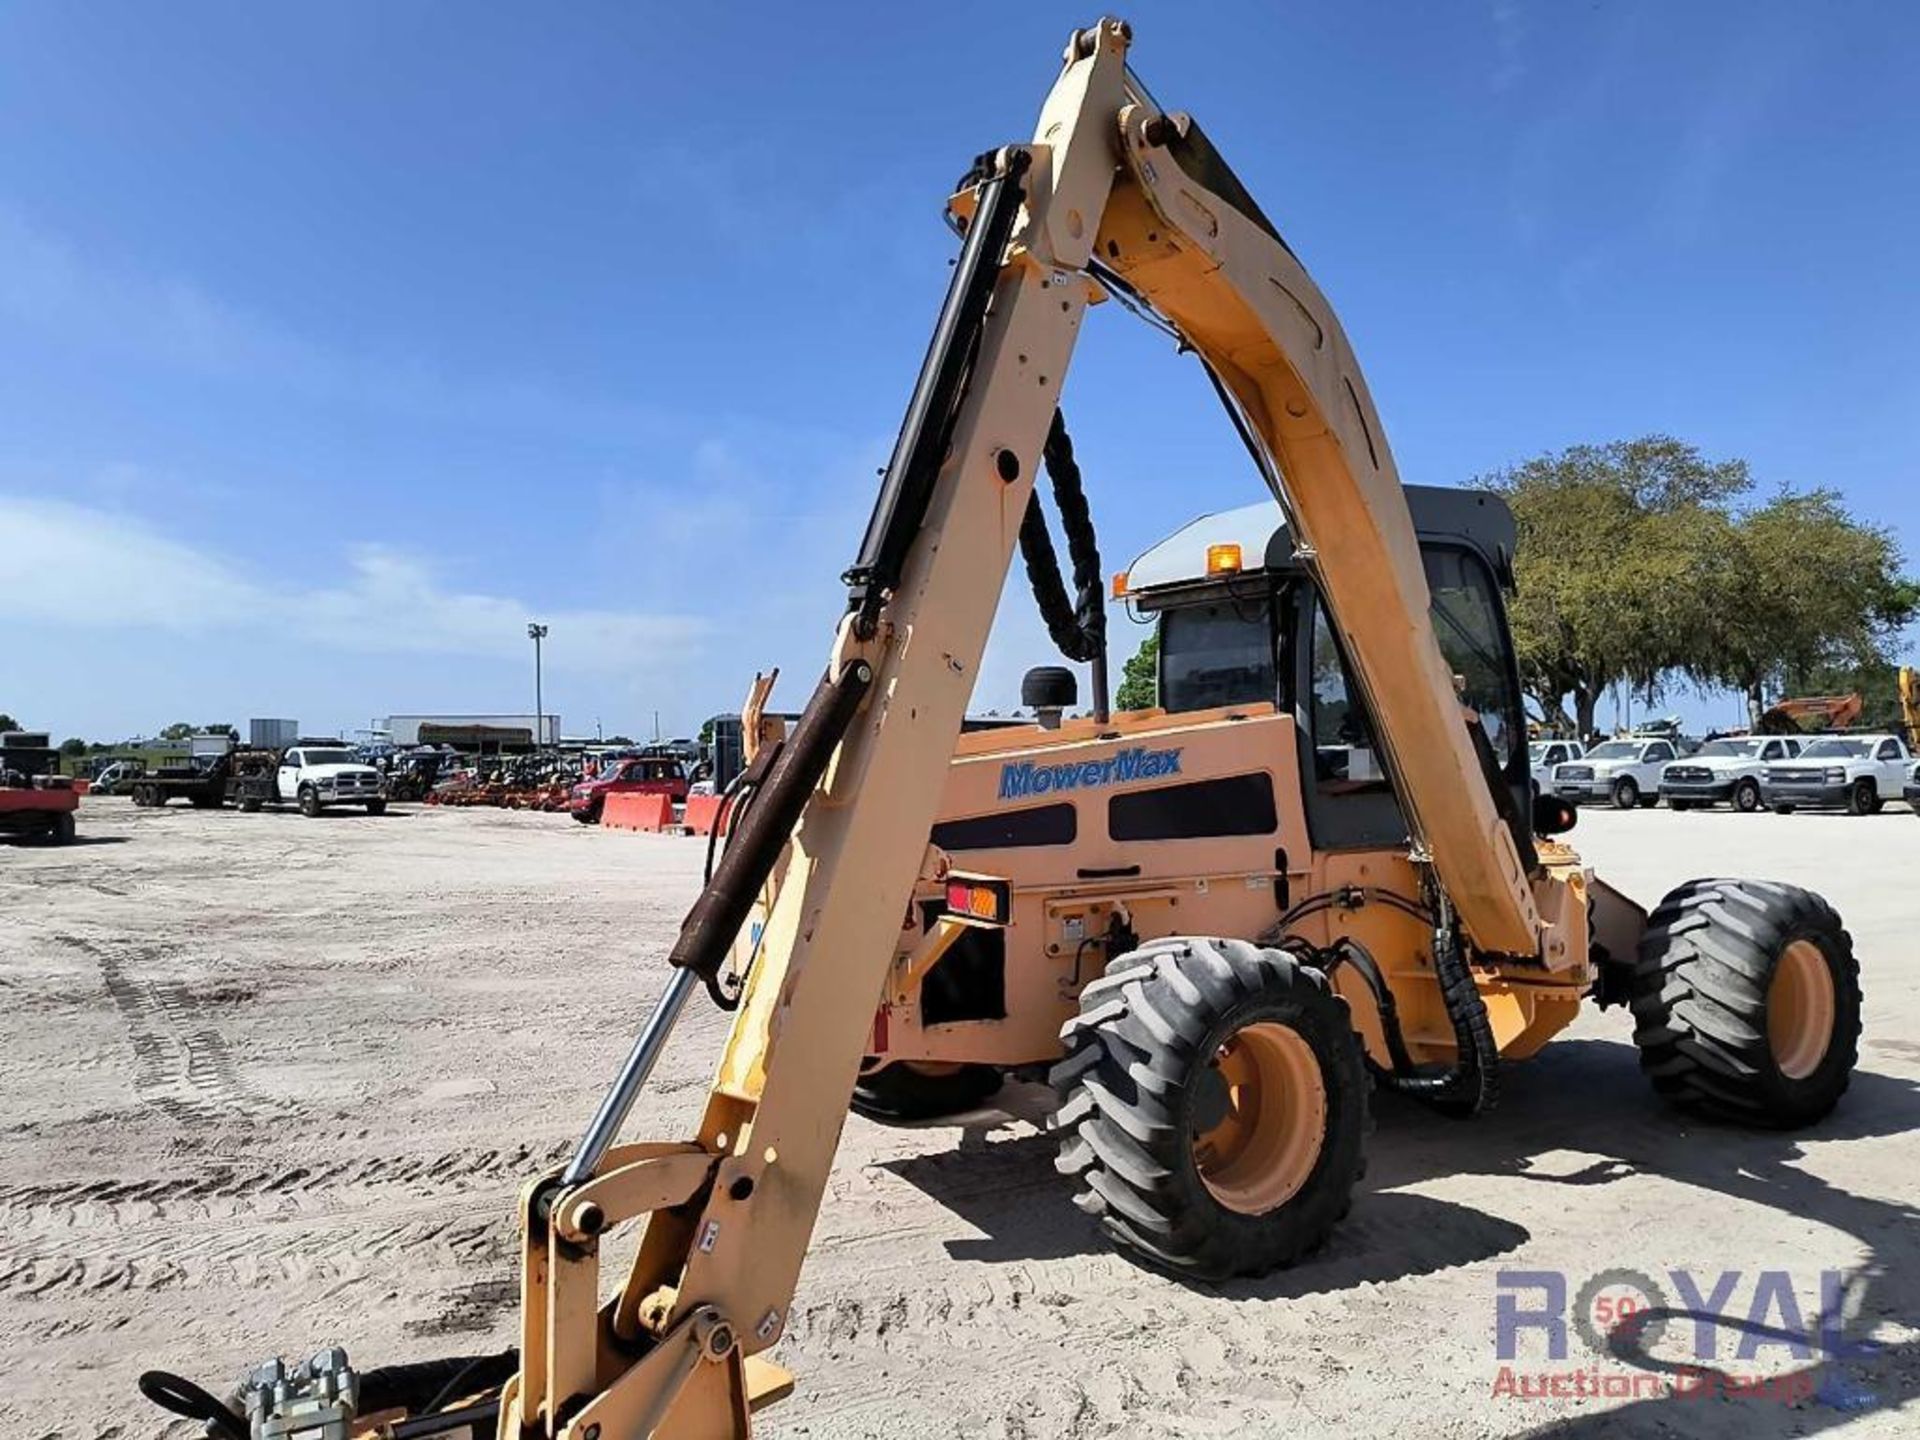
x,y
1240,622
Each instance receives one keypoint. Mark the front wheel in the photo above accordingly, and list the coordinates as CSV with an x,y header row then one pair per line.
x,y
1746,797
590,815
376,807
1626,793
1783,809
310,803
1746,1002
1863,798
1679,804
1213,1106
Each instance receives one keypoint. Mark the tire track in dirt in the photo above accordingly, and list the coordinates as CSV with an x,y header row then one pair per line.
x,y
221,1251
277,1188
182,1067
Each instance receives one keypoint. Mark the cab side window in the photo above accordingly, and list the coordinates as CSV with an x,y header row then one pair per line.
x,y
1345,758
1770,751
1466,621
1659,750
1889,750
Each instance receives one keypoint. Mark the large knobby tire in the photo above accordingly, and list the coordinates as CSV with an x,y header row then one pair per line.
x,y
1626,793
250,805
1213,1106
1746,1002
906,1090
376,807
62,832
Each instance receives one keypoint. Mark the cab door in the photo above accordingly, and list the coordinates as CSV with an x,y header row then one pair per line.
x,y
286,782
1889,769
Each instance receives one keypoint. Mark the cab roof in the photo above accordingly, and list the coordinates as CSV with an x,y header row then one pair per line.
x,y
1478,518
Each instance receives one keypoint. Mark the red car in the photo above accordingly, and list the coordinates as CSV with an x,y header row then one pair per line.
x,y
648,775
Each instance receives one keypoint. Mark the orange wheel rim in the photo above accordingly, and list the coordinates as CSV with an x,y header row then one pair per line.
x,y
1261,1151
1800,1010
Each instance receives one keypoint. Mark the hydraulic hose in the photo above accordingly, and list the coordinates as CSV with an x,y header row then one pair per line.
x,y
1472,1083
1077,623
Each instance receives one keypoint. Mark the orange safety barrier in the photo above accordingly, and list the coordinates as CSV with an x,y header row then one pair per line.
x,y
637,811
702,812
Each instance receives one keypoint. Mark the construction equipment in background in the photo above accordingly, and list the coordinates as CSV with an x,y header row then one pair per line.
x,y
1213,897
1910,704
37,802
1801,714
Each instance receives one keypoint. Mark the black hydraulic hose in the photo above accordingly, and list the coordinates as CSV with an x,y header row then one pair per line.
x,y
1472,1083
419,1387
180,1396
481,1372
1078,624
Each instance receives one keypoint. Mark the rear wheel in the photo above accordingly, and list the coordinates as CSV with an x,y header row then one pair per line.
x,y
1863,798
1746,1002
62,831
250,804
1213,1106
1626,793
590,815
915,1090
1746,796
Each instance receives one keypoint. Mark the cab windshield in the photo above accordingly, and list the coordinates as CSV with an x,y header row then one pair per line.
x,y
329,757
1614,750
1729,749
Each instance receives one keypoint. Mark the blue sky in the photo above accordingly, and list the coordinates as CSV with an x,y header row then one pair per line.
x,y
338,342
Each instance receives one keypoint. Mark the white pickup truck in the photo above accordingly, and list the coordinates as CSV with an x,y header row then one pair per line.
x,y
316,776
1544,755
1626,772
1725,772
1855,773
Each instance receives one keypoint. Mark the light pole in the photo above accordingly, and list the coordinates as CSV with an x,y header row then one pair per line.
x,y
537,633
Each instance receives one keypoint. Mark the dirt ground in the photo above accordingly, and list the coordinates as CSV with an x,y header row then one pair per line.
x,y
271,1083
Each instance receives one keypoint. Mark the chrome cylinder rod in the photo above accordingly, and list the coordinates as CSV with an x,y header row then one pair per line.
x,y
632,1079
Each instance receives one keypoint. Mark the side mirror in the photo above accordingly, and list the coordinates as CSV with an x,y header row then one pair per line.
x,y
1552,815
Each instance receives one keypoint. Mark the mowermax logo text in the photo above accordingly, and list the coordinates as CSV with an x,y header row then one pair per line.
x,y
1025,778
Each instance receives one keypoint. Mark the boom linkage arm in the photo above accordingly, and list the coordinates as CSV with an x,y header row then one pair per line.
x,y
675,1352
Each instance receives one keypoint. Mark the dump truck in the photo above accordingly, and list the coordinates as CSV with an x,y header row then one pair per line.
x,y
1214,924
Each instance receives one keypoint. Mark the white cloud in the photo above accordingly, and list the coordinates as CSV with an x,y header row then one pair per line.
x,y
72,566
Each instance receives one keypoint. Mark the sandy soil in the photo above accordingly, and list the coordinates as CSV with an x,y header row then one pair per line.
x,y
271,1083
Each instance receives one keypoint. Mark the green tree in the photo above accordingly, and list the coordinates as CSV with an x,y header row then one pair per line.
x,y
7,722
75,746
220,730
1140,677
1806,590
179,730
706,731
1614,566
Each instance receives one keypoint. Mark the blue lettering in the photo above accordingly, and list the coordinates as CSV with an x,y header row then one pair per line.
x,y
1022,778
1510,1319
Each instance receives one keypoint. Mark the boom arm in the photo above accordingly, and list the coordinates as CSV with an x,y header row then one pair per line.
x,y
1107,177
